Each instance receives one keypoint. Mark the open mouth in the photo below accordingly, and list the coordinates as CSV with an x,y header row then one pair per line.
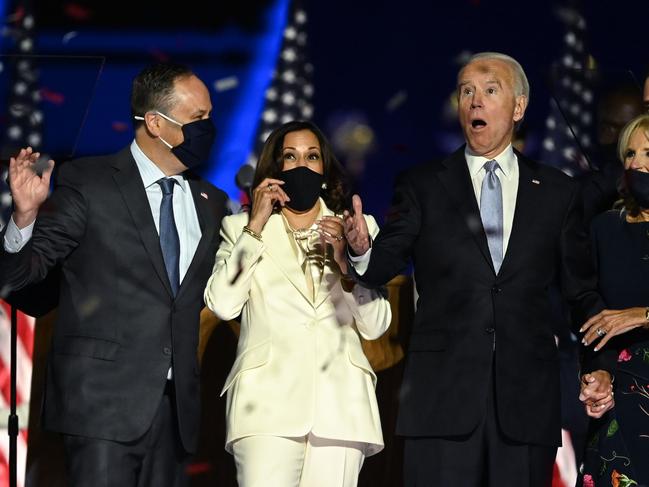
x,y
478,123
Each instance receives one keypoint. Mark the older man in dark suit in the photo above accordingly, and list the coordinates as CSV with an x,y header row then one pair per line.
x,y
135,233
487,230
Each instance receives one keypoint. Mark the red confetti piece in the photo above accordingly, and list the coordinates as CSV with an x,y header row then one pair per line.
x,y
159,56
52,96
18,15
77,12
120,126
198,468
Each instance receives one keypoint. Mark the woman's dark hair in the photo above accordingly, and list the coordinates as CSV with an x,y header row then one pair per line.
x,y
271,164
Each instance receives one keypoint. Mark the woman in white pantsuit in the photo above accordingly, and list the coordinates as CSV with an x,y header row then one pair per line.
x,y
301,407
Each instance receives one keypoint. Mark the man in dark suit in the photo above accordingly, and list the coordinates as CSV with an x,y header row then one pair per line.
x,y
136,234
487,230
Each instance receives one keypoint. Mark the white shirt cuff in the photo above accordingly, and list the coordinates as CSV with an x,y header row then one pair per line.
x,y
16,238
361,262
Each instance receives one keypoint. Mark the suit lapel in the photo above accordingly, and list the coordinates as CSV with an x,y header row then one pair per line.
x,y
130,184
528,186
457,181
278,247
208,226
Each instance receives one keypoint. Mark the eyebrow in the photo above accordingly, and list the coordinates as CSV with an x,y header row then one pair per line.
x,y
494,82
199,113
489,82
293,148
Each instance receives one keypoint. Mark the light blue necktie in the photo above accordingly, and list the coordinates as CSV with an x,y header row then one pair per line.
x,y
169,241
491,212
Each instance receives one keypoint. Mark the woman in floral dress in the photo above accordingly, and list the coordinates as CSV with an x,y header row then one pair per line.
x,y
617,453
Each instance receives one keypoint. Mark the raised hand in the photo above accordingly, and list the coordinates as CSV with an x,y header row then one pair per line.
x,y
331,231
264,198
28,189
355,226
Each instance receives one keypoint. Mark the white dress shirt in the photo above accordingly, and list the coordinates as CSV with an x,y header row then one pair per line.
x,y
507,172
185,216
508,175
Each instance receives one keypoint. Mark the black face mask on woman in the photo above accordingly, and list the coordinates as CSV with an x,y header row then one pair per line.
x,y
303,186
638,184
198,137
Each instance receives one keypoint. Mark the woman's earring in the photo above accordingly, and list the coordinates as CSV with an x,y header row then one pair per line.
x,y
324,186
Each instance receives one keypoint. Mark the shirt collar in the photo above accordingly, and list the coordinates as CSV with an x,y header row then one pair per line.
x,y
149,171
506,160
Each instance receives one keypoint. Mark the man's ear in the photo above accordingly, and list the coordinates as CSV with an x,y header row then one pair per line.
x,y
152,122
519,107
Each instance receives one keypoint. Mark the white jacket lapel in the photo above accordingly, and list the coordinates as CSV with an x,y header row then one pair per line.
x,y
278,248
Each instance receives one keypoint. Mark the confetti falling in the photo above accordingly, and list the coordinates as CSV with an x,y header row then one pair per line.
x,y
225,84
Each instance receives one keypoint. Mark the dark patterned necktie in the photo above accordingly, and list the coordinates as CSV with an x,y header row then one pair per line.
x,y
169,241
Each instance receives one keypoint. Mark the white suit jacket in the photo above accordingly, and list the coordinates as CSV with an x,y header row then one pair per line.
x,y
299,366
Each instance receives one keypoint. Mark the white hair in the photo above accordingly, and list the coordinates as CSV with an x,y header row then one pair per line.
x,y
521,85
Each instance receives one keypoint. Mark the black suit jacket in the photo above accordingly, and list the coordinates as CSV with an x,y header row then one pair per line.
x,y
119,327
464,306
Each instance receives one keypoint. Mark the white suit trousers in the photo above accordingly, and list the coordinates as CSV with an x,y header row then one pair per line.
x,y
309,461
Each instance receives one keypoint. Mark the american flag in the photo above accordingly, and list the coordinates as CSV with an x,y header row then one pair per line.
x,y
569,138
288,97
569,126
22,126
24,349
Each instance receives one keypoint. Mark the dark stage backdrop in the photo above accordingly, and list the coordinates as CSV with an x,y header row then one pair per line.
x,y
385,69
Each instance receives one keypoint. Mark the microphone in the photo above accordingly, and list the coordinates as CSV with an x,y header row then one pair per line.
x,y
244,177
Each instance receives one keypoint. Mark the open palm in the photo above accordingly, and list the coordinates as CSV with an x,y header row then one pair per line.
x,y
28,189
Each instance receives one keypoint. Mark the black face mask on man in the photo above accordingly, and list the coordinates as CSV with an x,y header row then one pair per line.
x,y
303,186
637,183
198,137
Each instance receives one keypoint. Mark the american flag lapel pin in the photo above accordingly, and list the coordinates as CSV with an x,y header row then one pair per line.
x,y
204,195
536,181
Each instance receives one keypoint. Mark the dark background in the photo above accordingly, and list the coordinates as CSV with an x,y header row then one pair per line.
x,y
367,56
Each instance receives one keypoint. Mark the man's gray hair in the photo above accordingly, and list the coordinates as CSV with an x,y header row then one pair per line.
x,y
521,85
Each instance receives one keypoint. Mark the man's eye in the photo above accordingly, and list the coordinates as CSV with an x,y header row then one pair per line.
x,y
629,154
491,91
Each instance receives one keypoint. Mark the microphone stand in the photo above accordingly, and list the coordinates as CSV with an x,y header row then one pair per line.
x,y
12,427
